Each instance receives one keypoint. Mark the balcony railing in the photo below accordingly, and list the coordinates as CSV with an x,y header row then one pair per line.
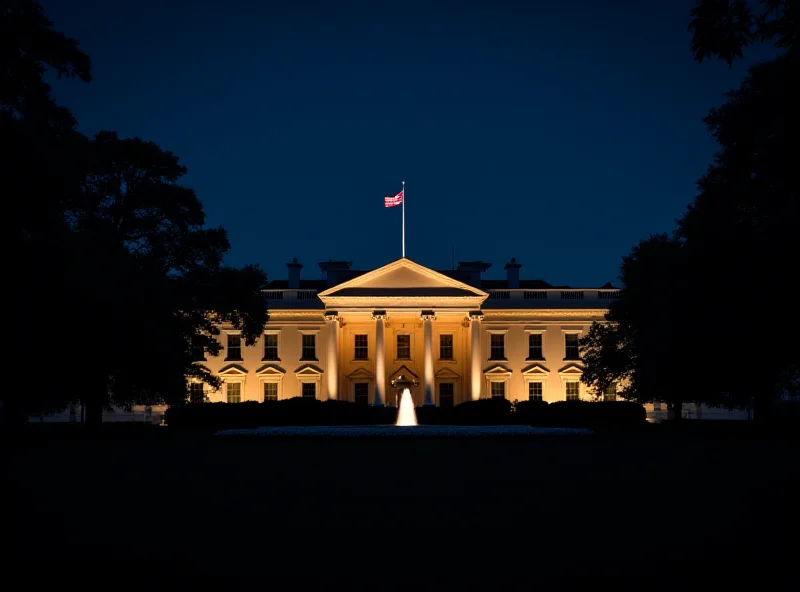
x,y
554,297
290,295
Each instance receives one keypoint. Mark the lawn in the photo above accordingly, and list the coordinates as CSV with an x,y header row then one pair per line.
x,y
636,506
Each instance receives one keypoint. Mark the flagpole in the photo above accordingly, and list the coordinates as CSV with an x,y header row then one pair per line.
x,y
404,219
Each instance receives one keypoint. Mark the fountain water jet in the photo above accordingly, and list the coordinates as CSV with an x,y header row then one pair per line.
x,y
406,414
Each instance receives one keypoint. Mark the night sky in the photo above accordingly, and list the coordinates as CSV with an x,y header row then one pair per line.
x,y
559,134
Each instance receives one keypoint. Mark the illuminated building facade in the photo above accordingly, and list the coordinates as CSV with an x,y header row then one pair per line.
x,y
461,337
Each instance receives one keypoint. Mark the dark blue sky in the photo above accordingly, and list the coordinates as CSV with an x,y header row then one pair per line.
x,y
560,133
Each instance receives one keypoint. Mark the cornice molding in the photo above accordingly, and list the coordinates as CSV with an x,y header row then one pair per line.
x,y
286,312
545,312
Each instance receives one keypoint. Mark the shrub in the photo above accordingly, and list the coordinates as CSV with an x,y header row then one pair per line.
x,y
530,412
431,415
302,411
493,411
297,411
594,413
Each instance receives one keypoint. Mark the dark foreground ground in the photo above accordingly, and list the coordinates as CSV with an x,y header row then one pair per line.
x,y
151,509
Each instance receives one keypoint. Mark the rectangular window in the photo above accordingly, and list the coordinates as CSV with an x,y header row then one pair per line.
x,y
499,389
309,390
196,394
610,393
498,346
271,347
445,347
234,392
362,393
571,346
404,347
573,391
234,347
362,349
309,346
446,390
270,391
535,346
535,391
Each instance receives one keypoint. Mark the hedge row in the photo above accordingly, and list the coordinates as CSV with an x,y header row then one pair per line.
x,y
300,411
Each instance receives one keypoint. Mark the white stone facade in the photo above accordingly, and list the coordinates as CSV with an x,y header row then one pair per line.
x,y
461,338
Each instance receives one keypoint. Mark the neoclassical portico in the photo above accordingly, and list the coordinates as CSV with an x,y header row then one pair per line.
x,y
404,314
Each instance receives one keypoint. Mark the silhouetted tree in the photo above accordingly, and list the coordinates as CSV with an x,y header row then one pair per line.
x,y
725,271
114,281
150,284
740,234
42,168
723,28
740,230
28,47
647,347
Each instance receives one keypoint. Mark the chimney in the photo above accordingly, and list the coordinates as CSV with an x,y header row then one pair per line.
x,y
473,271
512,273
335,272
294,273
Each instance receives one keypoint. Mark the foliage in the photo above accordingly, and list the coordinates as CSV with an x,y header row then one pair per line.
x,y
491,411
300,411
740,233
115,275
43,166
28,47
163,280
644,347
723,28
733,248
530,412
594,413
297,411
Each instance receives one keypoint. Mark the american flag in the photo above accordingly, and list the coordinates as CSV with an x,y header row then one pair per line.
x,y
390,202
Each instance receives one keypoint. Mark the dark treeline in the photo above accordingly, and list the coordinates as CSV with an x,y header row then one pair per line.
x,y
706,312
115,282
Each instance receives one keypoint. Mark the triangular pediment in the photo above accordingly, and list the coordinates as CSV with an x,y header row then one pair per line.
x,y
403,277
534,370
571,369
403,370
497,369
446,373
308,370
233,369
361,373
270,369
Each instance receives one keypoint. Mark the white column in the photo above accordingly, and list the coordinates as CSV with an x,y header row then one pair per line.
x,y
475,355
427,368
333,355
380,363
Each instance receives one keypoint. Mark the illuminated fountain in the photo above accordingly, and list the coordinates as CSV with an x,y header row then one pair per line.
x,y
406,413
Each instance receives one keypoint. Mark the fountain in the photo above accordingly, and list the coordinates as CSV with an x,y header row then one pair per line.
x,y
406,414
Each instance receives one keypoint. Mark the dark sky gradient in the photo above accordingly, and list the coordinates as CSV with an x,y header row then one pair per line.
x,y
560,133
